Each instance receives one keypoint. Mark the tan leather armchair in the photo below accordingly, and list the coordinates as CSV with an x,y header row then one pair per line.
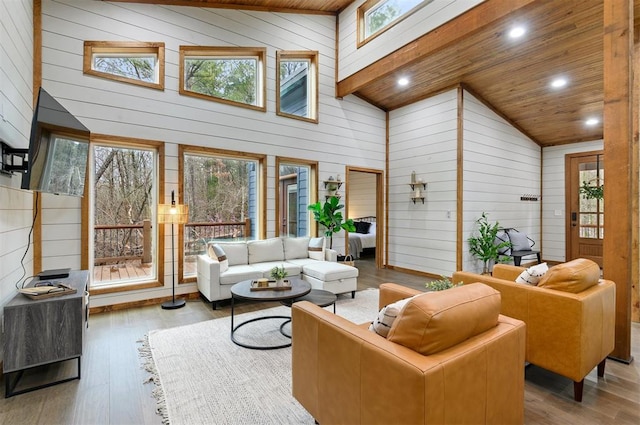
x,y
567,333
343,373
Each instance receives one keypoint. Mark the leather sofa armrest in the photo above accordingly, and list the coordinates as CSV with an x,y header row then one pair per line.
x,y
507,271
392,292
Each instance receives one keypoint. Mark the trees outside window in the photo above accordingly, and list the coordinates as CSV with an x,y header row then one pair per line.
x,y
124,204
376,16
137,63
229,75
222,193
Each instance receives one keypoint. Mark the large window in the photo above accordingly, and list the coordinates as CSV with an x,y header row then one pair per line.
x,y
232,75
297,87
376,16
223,192
138,63
295,192
124,236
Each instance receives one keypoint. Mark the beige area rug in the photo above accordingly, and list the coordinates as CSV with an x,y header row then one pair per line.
x,y
202,377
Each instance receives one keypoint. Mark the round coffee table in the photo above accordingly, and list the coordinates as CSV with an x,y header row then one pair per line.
x,y
242,290
319,297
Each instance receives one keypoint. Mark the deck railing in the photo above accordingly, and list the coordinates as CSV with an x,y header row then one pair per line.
x,y
196,235
122,242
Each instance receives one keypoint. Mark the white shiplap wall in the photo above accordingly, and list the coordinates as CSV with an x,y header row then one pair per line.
x,y
16,98
554,206
350,131
362,194
431,16
500,165
423,138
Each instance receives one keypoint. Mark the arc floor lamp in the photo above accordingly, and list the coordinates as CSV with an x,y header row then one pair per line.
x,y
175,214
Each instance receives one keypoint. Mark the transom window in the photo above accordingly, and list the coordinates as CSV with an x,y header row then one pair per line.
x,y
138,63
232,75
297,88
376,16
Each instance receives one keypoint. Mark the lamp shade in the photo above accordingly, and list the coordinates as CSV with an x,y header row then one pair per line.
x,y
173,213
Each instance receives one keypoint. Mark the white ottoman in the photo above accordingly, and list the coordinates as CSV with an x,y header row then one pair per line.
x,y
330,276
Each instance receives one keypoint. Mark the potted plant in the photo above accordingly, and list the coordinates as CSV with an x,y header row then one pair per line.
x,y
441,284
329,215
278,274
484,246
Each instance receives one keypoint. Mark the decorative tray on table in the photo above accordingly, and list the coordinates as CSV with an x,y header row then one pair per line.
x,y
269,285
47,291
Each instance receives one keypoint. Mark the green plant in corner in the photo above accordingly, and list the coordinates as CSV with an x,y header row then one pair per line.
x,y
279,273
329,215
441,284
484,246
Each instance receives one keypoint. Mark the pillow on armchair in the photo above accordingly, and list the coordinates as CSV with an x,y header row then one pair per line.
x,y
519,241
434,321
573,276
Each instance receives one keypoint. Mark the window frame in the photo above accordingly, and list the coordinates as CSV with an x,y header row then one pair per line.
x,y
125,48
227,52
88,222
312,82
220,153
370,4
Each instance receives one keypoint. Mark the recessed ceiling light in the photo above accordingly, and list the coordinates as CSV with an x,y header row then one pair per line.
x,y
592,121
517,32
403,81
559,83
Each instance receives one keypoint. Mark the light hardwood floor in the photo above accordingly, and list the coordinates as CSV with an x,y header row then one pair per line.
x,y
111,390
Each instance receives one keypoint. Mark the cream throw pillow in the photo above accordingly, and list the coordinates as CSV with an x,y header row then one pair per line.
x,y
316,249
387,315
533,274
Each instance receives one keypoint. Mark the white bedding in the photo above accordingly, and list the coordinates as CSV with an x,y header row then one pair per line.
x,y
368,240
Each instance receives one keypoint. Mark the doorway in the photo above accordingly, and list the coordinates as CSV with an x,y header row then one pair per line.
x,y
364,188
584,193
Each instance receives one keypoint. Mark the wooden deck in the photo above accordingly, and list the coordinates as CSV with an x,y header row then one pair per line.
x,y
130,270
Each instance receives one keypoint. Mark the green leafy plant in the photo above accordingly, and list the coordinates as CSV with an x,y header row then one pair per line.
x,y
329,216
484,246
278,273
441,284
592,192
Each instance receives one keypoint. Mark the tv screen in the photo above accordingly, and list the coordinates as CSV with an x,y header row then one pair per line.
x,y
58,150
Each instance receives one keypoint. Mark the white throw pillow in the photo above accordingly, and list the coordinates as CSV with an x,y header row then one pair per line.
x,y
216,252
316,249
382,324
533,274
296,248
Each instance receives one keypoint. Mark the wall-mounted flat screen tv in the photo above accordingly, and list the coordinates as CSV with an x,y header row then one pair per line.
x,y
58,150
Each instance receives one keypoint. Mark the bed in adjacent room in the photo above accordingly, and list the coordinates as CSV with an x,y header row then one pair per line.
x,y
364,238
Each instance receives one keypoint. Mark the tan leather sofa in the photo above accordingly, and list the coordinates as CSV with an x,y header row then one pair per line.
x,y
568,333
343,373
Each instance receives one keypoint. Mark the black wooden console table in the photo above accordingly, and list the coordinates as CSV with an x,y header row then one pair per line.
x,y
45,331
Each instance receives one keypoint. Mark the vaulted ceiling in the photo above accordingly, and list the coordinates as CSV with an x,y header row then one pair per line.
x,y
564,38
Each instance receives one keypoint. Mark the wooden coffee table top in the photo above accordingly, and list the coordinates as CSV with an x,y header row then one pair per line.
x,y
243,290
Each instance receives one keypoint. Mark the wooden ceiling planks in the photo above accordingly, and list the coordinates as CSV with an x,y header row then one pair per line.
x,y
330,7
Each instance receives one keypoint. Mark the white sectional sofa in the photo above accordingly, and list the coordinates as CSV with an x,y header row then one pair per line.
x,y
227,263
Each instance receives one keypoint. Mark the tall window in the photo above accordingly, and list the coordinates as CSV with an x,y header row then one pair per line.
x,y
296,180
124,201
223,195
138,63
232,75
376,16
297,88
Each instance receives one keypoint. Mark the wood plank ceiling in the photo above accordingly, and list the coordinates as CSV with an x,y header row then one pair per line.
x,y
564,38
